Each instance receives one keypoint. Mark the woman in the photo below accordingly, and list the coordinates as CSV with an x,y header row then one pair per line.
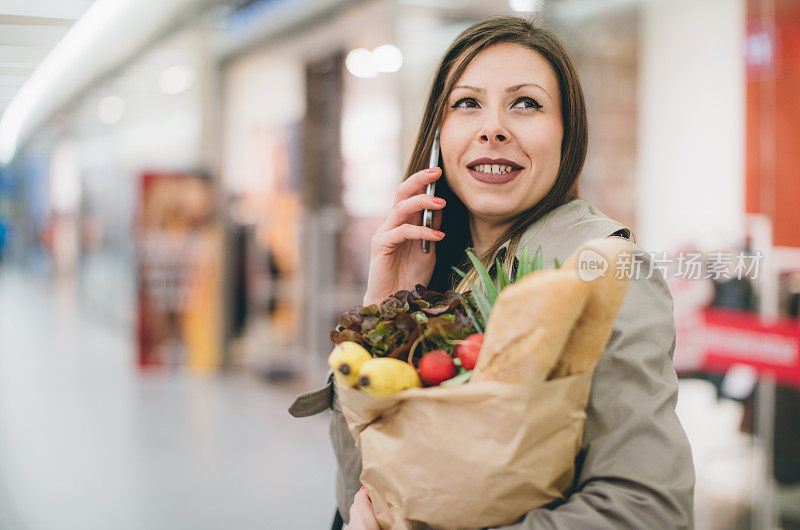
x,y
513,141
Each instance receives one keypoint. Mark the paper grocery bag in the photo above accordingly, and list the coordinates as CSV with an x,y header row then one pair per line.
x,y
470,456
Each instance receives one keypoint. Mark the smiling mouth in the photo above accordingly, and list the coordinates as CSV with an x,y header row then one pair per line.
x,y
494,173
493,169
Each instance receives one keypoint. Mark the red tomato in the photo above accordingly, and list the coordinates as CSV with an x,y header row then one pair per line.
x,y
436,366
468,350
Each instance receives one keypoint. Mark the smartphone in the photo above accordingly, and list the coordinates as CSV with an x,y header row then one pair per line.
x,y
427,215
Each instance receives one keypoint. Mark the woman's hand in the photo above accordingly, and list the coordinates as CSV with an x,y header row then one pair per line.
x,y
396,258
361,515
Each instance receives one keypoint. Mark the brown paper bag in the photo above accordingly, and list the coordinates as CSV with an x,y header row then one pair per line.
x,y
485,453
470,456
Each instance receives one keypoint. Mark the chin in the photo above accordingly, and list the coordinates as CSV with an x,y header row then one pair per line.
x,y
491,208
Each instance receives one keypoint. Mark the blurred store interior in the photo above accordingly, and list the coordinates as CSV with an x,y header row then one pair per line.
x,y
188,189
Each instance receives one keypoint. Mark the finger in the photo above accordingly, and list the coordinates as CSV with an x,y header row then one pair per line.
x,y
361,496
362,514
358,507
415,184
407,207
406,232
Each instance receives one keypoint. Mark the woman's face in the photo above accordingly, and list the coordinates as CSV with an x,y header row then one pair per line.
x,y
501,132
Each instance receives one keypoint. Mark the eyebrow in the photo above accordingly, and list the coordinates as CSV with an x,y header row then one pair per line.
x,y
508,90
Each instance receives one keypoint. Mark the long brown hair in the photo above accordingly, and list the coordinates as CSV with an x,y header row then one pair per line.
x,y
504,29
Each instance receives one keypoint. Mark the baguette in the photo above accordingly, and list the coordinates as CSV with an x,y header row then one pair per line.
x,y
530,323
592,331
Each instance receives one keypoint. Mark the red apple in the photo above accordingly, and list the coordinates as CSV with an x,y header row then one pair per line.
x,y
468,350
436,366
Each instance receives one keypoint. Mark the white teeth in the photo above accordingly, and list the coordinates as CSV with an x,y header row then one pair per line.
x,y
495,169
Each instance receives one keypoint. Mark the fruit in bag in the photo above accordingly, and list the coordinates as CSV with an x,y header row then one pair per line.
x,y
468,350
384,376
435,367
346,360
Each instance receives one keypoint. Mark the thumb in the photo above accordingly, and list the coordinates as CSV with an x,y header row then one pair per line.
x,y
362,497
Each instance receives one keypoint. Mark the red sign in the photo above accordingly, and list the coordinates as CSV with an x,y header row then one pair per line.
x,y
737,337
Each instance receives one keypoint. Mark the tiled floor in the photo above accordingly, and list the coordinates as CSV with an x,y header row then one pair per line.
x,y
87,441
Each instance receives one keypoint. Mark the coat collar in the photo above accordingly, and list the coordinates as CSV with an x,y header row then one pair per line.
x,y
562,230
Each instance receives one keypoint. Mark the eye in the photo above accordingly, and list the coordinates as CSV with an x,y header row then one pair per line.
x,y
526,103
458,104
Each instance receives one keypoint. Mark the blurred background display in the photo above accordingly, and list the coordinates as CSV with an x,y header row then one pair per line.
x,y
188,190
178,255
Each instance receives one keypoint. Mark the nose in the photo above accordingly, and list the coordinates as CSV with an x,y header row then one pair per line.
x,y
493,132
497,136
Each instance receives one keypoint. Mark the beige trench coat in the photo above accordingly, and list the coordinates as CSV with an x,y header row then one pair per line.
x,y
635,467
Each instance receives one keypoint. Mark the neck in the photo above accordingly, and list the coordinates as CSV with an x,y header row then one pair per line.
x,y
485,232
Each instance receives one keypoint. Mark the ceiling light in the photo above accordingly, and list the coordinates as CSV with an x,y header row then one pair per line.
x,y
359,62
387,58
111,109
176,79
525,6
